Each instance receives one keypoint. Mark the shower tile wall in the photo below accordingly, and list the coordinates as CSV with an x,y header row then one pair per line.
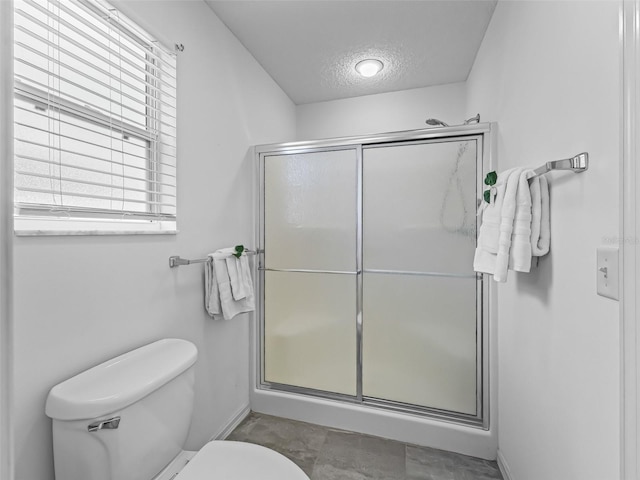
x,y
330,454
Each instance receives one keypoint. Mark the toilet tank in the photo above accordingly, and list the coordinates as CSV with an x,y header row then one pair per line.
x,y
127,418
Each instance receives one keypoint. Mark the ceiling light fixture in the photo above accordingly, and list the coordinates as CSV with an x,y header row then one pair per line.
x,y
369,67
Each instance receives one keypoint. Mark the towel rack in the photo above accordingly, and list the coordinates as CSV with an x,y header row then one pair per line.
x,y
577,164
176,260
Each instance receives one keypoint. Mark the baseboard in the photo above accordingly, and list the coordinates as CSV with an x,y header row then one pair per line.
x,y
504,467
235,420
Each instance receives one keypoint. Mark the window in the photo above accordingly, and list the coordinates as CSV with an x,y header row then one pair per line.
x,y
95,122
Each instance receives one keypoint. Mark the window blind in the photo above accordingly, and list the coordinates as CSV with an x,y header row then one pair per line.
x,y
95,116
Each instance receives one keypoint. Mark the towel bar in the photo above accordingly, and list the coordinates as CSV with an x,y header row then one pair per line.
x,y
577,164
176,260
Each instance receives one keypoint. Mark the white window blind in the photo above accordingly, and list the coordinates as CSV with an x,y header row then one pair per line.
x,y
95,120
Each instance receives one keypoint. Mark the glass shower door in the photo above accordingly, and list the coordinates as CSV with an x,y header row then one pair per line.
x,y
310,205
367,282
419,334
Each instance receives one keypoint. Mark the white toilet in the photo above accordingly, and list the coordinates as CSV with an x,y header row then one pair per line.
x,y
128,418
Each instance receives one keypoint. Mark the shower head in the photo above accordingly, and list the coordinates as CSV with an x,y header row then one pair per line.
x,y
439,123
475,119
436,123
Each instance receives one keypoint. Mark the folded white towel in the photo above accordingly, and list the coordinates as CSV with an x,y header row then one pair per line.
x,y
230,307
520,253
219,285
515,226
540,223
235,277
235,272
507,217
489,236
211,294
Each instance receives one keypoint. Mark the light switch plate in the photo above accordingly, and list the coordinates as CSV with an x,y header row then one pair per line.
x,y
607,272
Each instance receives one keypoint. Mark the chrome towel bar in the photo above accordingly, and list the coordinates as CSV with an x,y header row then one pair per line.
x,y
577,164
176,260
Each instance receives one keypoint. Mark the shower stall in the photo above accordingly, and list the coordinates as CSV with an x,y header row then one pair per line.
x,y
367,294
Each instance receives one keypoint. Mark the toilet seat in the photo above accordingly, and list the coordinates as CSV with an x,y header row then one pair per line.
x,y
227,460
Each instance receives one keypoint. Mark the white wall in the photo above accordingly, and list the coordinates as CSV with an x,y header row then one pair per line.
x,y
6,236
80,301
549,74
384,112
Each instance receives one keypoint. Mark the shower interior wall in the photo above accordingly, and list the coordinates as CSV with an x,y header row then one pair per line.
x,y
558,343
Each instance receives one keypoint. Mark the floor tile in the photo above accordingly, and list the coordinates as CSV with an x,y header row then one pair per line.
x,y
243,431
298,441
332,454
479,469
430,464
368,457
330,472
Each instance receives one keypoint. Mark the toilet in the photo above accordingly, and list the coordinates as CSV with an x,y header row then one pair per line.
x,y
128,419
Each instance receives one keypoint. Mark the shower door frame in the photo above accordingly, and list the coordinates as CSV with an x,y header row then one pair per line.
x,y
482,133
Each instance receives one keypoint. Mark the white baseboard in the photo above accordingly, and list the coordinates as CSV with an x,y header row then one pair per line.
x,y
235,420
504,467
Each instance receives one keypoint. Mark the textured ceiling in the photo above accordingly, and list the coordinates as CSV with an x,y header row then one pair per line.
x,y
310,47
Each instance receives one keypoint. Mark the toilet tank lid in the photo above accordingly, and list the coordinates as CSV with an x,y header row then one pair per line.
x,y
121,381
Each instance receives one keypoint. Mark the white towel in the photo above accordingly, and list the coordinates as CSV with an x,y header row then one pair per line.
x,y
235,272
219,296
507,217
235,277
211,294
540,223
489,236
520,253
515,226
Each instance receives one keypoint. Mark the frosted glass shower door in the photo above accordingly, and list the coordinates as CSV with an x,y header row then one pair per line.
x,y
310,226
419,289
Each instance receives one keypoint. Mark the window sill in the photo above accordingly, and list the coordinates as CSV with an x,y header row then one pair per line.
x,y
43,226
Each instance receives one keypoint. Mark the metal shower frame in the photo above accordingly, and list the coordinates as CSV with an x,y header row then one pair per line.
x,y
482,133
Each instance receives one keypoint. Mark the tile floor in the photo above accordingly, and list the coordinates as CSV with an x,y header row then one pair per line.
x,y
331,454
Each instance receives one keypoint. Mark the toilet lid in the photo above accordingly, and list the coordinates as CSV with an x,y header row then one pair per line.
x,y
226,460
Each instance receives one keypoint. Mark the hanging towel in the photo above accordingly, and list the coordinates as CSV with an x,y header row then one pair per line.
x,y
240,277
211,294
520,253
515,227
219,285
236,273
490,230
235,277
540,223
507,218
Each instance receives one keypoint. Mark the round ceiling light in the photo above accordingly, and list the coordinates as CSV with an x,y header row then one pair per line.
x,y
369,67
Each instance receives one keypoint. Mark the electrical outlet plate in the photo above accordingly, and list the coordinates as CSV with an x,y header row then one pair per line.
x,y
607,272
